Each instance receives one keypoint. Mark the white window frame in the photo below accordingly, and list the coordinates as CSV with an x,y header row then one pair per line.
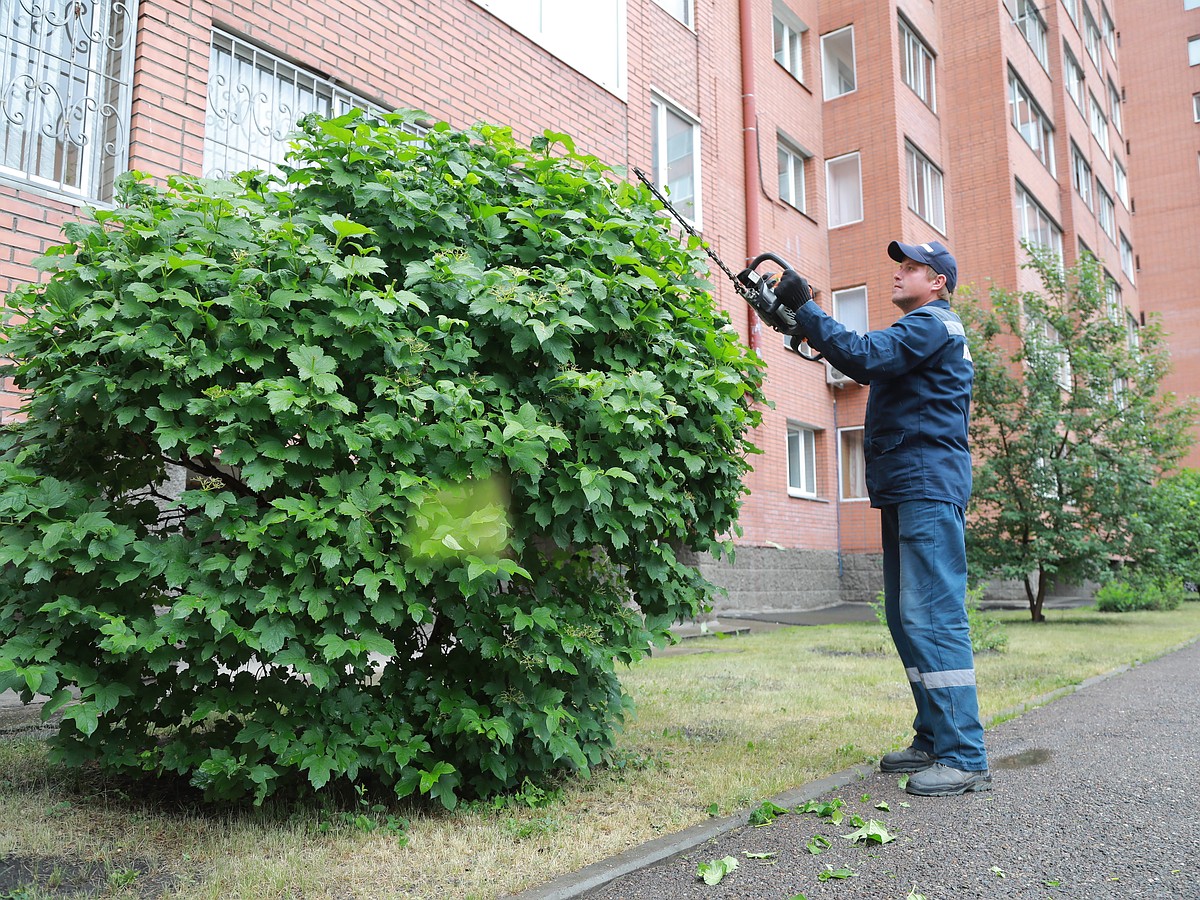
x,y
1072,10
1031,24
1031,122
831,75
1099,123
1042,230
1196,102
682,10
1120,181
917,64
852,465
849,215
851,310
793,174
1073,76
65,97
1108,31
589,37
1114,107
925,187
255,101
1194,51
788,42
1113,298
1106,212
1091,36
801,460
1081,175
662,112
1128,263
1191,4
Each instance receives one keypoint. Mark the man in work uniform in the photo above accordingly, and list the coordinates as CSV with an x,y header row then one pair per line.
x,y
919,476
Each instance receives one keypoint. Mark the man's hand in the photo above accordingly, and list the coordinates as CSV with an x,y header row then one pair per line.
x,y
792,290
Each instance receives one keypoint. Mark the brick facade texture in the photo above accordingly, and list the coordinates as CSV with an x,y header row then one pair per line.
x,y
459,62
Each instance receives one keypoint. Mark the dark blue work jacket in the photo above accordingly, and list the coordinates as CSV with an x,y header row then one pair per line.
x,y
920,373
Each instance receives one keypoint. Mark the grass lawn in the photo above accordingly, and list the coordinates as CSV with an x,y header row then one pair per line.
x,y
721,726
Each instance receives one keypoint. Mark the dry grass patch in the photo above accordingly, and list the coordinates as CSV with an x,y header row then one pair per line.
x,y
729,725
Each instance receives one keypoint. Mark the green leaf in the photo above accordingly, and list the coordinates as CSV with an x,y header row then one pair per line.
x,y
714,871
871,831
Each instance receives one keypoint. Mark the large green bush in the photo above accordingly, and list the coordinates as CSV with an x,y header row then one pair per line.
x,y
453,411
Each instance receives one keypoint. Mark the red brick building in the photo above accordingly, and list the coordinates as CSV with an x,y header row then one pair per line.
x,y
818,129
1160,57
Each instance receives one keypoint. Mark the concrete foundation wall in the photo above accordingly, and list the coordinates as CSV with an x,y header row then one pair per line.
x,y
761,579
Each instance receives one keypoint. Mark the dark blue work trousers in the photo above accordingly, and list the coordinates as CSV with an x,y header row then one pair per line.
x,y
925,584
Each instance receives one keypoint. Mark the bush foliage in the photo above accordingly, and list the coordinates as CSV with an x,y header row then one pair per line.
x,y
453,411
1134,592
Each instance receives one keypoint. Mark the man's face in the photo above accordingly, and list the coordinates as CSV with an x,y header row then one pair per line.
x,y
914,285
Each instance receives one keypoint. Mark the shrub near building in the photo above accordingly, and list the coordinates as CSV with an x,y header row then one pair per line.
x,y
447,405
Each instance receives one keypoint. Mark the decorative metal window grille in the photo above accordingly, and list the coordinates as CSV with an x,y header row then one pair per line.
x,y
66,71
255,100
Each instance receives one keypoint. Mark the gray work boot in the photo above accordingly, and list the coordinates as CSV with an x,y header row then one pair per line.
x,y
943,781
908,760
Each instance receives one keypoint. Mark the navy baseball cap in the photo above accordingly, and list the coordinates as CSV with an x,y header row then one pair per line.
x,y
934,254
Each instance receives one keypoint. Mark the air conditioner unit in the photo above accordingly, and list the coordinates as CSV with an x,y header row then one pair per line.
x,y
836,378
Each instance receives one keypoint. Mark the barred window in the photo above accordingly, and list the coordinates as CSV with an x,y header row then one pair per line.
x,y
66,74
255,100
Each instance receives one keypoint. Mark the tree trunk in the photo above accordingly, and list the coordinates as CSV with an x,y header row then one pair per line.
x,y
1036,597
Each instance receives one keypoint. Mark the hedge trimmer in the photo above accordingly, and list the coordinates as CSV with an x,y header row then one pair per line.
x,y
754,288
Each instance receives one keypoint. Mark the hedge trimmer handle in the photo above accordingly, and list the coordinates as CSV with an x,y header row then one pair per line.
x,y
756,289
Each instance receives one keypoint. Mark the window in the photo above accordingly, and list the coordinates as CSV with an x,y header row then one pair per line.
x,y
852,465
1099,122
66,72
1091,36
1131,328
1029,119
843,178
850,308
1113,299
1127,260
1073,76
675,142
255,100
837,62
917,65
1196,103
1081,175
1191,4
1194,51
1114,105
680,9
588,37
925,188
792,168
1120,182
1072,10
802,461
1107,31
1106,211
1035,223
789,46
1033,26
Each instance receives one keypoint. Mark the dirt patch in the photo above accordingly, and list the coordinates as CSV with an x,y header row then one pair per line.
x,y
59,876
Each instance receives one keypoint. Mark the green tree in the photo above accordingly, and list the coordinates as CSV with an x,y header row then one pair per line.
x,y
1173,527
1070,430
451,408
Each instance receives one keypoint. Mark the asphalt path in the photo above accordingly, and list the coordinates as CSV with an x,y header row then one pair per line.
x,y
1095,797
